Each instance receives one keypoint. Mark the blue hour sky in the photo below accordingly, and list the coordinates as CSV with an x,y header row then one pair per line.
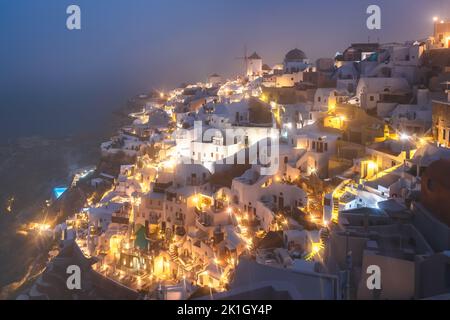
x,y
129,46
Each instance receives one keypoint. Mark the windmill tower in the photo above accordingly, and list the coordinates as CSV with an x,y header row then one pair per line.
x,y
253,65
245,58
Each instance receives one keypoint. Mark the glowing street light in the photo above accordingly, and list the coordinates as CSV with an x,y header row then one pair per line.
x,y
435,19
404,136
316,247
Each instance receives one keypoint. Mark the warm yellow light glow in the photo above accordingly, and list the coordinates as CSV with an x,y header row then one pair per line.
x,y
372,165
316,247
44,227
435,19
114,244
422,141
264,98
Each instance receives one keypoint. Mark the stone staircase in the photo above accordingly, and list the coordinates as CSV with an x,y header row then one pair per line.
x,y
173,252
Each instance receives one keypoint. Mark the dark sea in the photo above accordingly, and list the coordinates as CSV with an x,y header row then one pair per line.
x,y
55,116
44,138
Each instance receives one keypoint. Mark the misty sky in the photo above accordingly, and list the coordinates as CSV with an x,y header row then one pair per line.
x,y
129,46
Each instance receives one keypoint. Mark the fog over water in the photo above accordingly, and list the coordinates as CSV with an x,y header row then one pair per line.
x,y
56,82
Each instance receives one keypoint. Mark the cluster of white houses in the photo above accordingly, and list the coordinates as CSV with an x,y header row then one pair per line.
x,y
353,144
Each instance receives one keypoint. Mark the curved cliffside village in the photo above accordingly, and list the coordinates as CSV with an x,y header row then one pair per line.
x,y
285,183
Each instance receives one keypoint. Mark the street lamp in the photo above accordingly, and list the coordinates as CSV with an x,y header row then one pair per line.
x,y
404,136
435,20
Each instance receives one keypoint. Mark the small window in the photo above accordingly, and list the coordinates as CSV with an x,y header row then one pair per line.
x,y
372,98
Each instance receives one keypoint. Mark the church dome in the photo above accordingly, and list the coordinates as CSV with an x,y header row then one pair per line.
x,y
295,55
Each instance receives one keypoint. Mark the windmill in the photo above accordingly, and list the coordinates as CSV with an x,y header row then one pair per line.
x,y
245,58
